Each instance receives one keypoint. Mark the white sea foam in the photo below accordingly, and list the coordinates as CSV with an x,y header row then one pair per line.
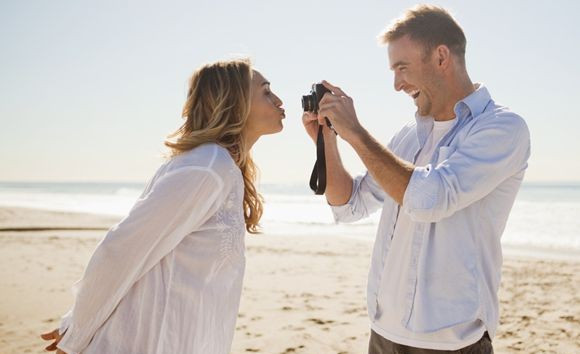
x,y
543,217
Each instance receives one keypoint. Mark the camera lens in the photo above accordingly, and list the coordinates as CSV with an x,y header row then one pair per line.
x,y
308,103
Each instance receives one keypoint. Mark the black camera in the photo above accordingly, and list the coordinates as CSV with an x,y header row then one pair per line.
x,y
310,102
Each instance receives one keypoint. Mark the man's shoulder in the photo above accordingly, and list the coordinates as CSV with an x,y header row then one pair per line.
x,y
499,116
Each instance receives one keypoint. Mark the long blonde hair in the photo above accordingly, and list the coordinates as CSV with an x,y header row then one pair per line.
x,y
216,110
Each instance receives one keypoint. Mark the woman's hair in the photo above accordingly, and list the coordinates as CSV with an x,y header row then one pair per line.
x,y
216,111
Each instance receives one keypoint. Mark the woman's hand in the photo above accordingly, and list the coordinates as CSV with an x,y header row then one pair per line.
x,y
54,335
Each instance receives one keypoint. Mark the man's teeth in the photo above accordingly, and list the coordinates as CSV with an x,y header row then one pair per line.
x,y
414,93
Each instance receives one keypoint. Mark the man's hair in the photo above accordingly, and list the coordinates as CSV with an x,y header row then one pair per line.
x,y
430,26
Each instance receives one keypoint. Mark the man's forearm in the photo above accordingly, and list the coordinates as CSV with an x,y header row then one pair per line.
x,y
390,172
338,180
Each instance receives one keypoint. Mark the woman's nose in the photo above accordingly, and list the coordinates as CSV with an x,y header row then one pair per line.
x,y
278,102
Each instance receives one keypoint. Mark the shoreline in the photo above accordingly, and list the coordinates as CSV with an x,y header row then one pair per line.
x,y
46,220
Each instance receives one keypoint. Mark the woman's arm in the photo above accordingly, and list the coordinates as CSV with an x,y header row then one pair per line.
x,y
177,204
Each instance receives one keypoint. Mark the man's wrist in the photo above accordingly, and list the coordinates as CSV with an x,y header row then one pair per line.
x,y
358,137
329,136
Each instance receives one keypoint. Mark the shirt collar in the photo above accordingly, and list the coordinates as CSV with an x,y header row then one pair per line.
x,y
470,106
474,103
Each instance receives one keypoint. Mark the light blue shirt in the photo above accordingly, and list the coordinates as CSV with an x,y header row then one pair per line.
x,y
458,206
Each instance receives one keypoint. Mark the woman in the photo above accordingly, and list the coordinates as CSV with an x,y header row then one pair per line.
x,y
168,277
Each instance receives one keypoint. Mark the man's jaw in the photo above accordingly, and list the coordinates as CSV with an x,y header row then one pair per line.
x,y
414,94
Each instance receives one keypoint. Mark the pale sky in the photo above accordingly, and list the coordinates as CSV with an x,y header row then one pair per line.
x,y
89,90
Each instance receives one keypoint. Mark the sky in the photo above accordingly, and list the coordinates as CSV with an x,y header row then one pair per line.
x,y
89,90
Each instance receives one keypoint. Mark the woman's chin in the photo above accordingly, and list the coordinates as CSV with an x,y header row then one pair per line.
x,y
278,129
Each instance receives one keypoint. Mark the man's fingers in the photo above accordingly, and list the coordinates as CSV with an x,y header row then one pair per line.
x,y
328,109
328,98
335,89
308,116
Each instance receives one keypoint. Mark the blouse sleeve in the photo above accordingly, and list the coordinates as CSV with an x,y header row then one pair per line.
x,y
177,204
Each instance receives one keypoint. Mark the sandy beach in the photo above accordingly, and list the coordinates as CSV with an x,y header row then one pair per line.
x,y
301,294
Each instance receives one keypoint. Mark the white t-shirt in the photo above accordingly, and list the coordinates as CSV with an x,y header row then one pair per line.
x,y
388,325
439,130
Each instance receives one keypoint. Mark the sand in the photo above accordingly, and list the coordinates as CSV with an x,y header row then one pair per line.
x,y
301,294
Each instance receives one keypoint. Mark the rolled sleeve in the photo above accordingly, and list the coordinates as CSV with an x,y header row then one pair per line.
x,y
498,148
366,197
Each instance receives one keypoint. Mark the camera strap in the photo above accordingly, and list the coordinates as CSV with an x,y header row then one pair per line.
x,y
318,176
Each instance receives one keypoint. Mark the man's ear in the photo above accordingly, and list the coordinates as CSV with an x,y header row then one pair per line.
x,y
443,56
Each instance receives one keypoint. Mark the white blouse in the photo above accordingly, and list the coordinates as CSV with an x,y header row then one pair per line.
x,y
168,277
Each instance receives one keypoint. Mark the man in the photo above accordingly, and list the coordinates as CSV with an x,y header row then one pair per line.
x,y
446,184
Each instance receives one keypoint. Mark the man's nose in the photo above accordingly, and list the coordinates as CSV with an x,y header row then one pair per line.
x,y
398,83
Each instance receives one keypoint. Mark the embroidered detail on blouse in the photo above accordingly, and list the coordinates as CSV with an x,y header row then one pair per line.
x,y
230,220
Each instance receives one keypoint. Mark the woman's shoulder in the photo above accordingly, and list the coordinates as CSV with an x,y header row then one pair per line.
x,y
224,165
210,157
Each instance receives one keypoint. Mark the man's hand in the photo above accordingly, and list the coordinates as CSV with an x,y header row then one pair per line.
x,y
311,124
338,107
54,335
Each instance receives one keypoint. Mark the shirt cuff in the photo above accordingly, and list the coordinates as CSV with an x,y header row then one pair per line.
x,y
64,345
345,211
66,350
65,322
417,196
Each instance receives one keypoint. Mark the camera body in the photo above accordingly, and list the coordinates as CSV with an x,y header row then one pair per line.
x,y
310,102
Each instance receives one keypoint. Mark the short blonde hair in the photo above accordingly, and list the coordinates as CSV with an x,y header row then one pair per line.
x,y
430,26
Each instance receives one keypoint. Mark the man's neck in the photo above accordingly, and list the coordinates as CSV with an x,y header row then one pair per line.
x,y
458,89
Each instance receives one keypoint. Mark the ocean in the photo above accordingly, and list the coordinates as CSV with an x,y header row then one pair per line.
x,y
544,221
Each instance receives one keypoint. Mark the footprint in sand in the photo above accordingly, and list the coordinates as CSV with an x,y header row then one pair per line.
x,y
319,321
292,350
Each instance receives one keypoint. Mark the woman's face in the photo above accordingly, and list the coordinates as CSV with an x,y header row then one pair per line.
x,y
266,112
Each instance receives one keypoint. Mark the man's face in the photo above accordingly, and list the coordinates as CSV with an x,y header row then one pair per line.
x,y
416,75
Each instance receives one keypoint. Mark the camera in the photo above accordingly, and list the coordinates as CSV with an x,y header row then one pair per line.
x,y
310,102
